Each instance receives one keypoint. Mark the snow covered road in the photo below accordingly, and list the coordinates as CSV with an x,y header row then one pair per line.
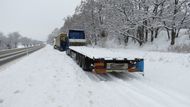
x,y
49,78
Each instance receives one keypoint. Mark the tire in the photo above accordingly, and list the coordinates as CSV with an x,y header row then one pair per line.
x,y
80,60
77,59
83,64
86,64
55,47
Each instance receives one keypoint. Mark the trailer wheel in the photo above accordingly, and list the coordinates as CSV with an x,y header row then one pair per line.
x,y
80,61
86,64
55,47
83,64
77,59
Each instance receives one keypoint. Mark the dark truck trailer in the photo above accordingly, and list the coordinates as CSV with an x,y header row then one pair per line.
x,y
90,59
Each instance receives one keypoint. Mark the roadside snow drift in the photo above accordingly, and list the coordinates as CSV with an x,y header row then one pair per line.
x,y
49,78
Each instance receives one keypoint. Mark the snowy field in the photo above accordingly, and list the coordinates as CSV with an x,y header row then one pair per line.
x,y
49,78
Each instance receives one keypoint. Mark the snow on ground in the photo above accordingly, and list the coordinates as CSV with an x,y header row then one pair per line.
x,y
49,78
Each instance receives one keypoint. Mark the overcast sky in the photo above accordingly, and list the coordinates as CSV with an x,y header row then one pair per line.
x,y
34,18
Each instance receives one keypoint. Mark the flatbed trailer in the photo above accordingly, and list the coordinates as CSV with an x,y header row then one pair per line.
x,y
100,60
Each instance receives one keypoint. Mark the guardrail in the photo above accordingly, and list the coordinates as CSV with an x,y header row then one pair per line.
x,y
11,54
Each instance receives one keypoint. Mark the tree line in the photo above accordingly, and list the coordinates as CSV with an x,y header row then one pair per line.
x,y
138,21
13,40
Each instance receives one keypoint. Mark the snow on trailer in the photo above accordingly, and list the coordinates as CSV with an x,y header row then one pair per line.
x,y
102,53
103,60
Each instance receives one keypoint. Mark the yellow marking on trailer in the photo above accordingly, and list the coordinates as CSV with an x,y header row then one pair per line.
x,y
99,64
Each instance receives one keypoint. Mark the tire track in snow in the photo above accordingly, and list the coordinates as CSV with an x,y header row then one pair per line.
x,y
141,87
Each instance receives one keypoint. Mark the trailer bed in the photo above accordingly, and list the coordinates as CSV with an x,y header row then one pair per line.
x,y
102,60
99,53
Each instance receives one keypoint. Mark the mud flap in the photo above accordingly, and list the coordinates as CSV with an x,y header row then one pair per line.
x,y
140,66
99,66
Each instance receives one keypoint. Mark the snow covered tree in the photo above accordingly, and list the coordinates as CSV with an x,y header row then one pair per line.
x,y
13,39
51,36
129,20
176,14
3,41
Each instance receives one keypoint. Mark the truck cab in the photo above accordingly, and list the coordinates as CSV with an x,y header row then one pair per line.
x,y
76,38
61,42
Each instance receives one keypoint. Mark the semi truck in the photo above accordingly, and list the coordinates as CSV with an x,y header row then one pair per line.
x,y
99,60
61,42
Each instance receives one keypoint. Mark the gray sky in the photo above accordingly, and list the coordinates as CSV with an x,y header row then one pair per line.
x,y
34,18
